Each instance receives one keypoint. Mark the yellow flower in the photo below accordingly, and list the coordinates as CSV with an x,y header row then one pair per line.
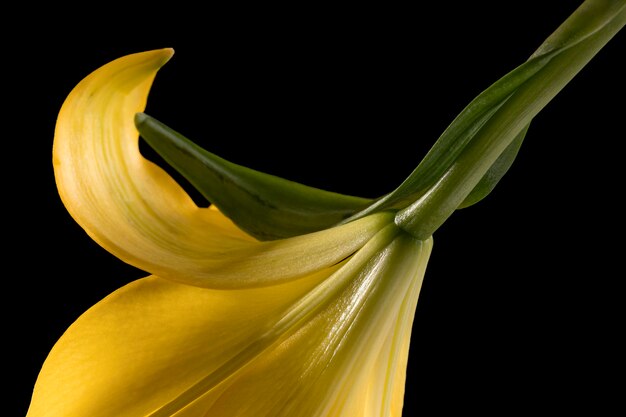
x,y
312,325
315,323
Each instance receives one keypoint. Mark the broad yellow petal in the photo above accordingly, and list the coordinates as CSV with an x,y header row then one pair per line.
x,y
346,357
149,341
139,213
333,343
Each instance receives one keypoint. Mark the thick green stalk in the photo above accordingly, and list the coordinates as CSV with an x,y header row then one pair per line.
x,y
576,42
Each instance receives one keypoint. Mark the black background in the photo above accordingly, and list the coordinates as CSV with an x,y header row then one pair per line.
x,y
521,307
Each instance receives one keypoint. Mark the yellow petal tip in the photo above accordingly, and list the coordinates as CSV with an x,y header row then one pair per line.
x,y
158,57
166,54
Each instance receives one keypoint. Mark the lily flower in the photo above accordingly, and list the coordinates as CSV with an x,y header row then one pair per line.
x,y
260,305
317,324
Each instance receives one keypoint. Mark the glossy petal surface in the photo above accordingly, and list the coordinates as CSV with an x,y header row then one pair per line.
x,y
333,343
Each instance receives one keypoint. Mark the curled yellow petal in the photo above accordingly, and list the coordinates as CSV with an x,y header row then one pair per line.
x,y
331,344
139,213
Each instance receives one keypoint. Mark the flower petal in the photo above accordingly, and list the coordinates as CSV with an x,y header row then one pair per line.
x,y
334,343
150,340
136,211
351,358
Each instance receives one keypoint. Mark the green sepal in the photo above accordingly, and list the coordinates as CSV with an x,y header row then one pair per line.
x,y
265,206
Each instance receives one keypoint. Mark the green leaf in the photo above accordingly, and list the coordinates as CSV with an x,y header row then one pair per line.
x,y
265,206
489,181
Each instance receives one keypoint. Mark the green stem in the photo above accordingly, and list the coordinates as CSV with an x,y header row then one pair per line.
x,y
578,39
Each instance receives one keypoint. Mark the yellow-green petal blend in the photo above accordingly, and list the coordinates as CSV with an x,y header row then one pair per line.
x,y
136,211
331,344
